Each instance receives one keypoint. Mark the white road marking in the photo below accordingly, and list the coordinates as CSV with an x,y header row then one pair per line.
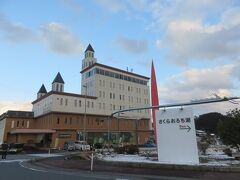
x,y
32,169
13,160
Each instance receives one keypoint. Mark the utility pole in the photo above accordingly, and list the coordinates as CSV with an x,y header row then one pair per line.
x,y
108,132
85,111
136,126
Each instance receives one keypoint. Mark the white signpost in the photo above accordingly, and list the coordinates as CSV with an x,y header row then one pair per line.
x,y
176,136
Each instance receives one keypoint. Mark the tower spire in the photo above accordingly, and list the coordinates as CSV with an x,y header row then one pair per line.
x,y
58,83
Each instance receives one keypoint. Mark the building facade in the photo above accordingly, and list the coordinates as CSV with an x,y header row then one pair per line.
x,y
58,116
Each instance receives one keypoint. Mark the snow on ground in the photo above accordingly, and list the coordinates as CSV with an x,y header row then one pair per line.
x,y
213,157
127,158
216,154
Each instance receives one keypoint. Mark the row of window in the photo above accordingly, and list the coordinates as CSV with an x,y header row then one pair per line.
x,y
121,87
114,75
77,103
59,87
98,121
19,124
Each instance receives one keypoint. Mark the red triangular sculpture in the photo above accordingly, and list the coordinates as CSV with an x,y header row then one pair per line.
x,y
155,101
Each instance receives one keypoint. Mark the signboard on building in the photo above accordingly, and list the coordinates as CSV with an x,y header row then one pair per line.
x,y
176,136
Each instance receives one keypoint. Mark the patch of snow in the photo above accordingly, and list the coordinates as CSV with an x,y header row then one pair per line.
x,y
213,153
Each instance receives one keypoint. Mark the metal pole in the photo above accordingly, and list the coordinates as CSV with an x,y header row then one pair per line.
x,y
92,162
136,124
204,101
108,131
84,121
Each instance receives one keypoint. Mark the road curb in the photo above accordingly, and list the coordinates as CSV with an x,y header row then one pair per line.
x,y
197,168
172,166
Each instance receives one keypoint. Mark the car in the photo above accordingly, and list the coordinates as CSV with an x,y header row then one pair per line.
x,y
149,144
82,146
69,146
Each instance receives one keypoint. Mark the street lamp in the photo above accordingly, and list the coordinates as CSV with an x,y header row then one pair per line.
x,y
85,110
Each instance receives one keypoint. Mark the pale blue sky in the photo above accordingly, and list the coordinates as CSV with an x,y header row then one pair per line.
x,y
194,44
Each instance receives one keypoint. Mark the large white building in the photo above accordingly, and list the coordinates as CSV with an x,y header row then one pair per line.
x,y
105,89
58,116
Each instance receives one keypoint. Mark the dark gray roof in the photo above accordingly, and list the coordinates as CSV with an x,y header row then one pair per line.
x,y
58,79
89,48
17,114
42,89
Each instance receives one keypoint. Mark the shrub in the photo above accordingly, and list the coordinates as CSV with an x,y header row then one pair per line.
x,y
228,151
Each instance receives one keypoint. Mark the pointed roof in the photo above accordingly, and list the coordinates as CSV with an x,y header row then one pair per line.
x,y
42,89
89,48
58,79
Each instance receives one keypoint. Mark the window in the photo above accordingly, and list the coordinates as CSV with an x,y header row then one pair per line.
x,y
88,104
61,101
17,123
100,94
65,120
61,88
110,95
66,102
123,97
100,82
58,120
92,104
79,103
22,123
57,88
103,94
120,97
103,105
12,125
70,120
113,95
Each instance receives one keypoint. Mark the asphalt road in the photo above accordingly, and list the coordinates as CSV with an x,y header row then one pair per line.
x,y
17,168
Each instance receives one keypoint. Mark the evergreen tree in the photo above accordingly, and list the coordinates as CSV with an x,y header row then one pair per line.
x,y
208,122
229,128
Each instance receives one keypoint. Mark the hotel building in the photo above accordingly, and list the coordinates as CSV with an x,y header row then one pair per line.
x,y
58,116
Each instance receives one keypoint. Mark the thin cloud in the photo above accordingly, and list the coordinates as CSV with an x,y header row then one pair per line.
x,y
198,83
15,105
15,32
73,5
61,40
112,5
131,45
